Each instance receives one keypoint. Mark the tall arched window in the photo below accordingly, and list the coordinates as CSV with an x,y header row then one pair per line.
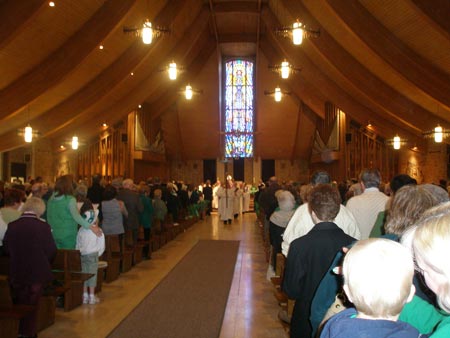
x,y
239,95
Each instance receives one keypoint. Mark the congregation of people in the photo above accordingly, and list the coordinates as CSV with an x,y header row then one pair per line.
x,y
360,258
378,250
37,219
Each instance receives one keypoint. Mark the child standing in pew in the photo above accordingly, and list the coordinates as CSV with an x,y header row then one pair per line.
x,y
91,247
378,275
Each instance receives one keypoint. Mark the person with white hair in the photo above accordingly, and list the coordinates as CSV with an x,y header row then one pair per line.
x,y
31,248
378,276
429,241
279,221
133,204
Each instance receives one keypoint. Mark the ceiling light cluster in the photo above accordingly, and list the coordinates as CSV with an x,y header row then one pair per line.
x,y
438,133
277,93
396,142
297,32
189,92
28,133
146,32
285,69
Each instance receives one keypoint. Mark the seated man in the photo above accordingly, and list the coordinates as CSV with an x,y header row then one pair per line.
x,y
301,222
378,276
310,256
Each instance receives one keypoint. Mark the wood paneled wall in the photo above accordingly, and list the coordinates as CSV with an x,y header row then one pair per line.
x,y
107,156
364,149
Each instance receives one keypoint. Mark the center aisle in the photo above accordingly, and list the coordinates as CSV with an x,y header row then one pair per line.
x,y
251,309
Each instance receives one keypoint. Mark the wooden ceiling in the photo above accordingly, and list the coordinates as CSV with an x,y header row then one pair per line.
x,y
387,62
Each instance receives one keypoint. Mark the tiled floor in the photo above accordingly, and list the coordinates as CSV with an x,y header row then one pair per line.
x,y
251,311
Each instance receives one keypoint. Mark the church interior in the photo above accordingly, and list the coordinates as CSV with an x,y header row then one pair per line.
x,y
196,90
365,73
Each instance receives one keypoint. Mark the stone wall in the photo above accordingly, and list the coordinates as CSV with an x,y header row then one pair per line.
x,y
43,158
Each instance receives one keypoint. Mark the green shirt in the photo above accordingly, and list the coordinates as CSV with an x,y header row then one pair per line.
x,y
426,318
10,214
63,217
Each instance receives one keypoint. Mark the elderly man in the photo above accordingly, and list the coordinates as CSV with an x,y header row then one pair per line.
x,y
365,207
134,206
301,222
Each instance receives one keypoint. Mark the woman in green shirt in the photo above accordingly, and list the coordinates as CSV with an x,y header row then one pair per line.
x,y
63,215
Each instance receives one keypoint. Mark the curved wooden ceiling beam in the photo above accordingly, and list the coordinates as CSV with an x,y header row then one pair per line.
x,y
411,66
438,11
105,85
14,15
123,107
67,112
328,87
184,48
61,62
399,108
167,94
305,93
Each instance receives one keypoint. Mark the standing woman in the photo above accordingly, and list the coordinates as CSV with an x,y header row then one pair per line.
x,y
113,213
146,216
431,250
63,215
31,248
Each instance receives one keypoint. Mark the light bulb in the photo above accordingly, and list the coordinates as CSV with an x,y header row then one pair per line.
x,y
397,142
278,94
147,32
285,69
297,33
28,135
75,143
438,134
188,92
173,71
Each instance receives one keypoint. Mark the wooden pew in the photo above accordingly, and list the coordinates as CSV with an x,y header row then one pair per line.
x,y
102,266
67,269
127,251
47,303
10,314
154,236
113,257
143,244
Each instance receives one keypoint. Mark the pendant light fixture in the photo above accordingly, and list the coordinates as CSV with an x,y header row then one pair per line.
x,y
284,69
438,134
189,92
75,142
147,32
28,134
277,93
397,142
297,32
172,70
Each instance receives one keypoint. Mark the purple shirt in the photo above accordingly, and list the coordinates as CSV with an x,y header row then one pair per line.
x,y
31,247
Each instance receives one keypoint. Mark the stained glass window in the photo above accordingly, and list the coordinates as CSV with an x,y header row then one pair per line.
x,y
239,108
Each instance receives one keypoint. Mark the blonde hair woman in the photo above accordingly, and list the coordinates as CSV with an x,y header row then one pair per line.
x,y
431,248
